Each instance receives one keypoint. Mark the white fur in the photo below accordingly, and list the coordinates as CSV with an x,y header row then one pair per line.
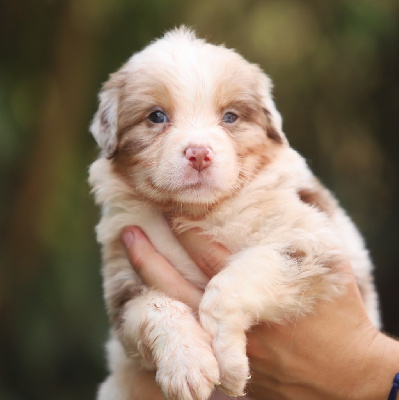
x,y
262,223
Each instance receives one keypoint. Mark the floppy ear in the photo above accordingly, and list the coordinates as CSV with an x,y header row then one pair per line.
x,y
274,128
104,126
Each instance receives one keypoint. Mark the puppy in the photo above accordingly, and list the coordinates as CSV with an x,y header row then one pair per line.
x,y
190,136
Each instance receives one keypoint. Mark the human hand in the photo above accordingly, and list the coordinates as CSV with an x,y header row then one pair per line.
x,y
334,353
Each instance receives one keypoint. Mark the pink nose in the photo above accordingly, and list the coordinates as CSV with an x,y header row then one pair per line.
x,y
199,157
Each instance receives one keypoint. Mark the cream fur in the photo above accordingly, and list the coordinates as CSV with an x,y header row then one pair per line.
x,y
283,248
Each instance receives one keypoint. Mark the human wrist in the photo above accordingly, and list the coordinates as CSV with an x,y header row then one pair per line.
x,y
379,366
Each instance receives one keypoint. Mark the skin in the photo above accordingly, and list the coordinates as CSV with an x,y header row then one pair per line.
x,y
335,353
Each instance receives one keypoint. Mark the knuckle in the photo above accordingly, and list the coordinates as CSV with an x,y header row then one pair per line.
x,y
137,261
212,262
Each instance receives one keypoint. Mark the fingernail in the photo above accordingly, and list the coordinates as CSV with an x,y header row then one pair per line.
x,y
127,238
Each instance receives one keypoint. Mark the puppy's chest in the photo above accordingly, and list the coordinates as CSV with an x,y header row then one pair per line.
x,y
252,218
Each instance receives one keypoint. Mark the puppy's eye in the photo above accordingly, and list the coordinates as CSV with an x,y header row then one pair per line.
x,y
229,117
158,117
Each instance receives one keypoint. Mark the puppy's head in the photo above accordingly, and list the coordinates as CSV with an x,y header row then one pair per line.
x,y
186,123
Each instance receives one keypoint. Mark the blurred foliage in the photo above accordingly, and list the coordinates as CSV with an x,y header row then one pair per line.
x,y
335,68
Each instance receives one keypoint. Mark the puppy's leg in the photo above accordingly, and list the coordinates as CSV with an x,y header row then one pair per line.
x,y
259,284
165,332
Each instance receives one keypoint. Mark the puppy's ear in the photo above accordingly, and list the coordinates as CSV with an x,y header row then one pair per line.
x,y
104,126
274,122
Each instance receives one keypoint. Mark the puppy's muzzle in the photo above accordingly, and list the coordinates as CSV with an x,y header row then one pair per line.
x,y
199,157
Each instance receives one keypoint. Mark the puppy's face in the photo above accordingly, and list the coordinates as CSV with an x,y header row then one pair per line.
x,y
187,123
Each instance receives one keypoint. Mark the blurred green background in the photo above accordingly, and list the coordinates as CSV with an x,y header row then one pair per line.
x,y
335,68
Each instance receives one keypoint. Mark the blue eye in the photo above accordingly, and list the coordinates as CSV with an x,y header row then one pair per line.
x,y
158,117
229,118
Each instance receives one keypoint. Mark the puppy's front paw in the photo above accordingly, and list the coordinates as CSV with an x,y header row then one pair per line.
x,y
228,341
188,374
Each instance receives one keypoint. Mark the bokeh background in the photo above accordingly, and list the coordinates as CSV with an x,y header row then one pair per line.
x,y
335,65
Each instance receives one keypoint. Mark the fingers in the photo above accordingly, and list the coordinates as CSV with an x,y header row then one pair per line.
x,y
210,256
155,271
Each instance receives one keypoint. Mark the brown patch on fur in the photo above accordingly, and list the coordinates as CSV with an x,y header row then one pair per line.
x,y
131,156
253,156
271,132
122,296
297,255
131,144
246,111
137,95
319,197
126,292
238,92
110,90
121,292
142,94
104,120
